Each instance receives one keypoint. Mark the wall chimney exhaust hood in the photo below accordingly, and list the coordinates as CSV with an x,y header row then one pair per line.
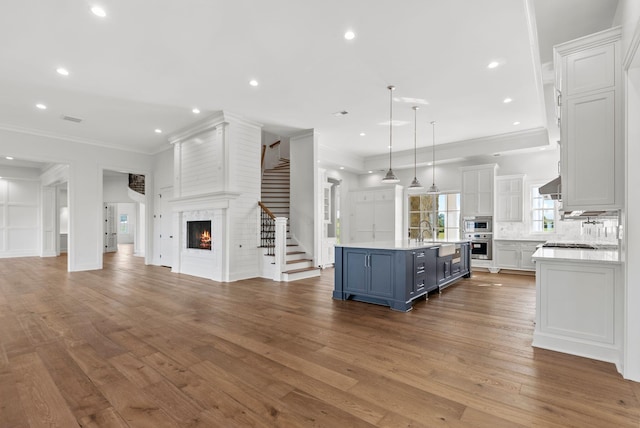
x,y
552,189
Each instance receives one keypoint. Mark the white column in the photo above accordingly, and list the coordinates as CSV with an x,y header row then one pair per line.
x,y
49,222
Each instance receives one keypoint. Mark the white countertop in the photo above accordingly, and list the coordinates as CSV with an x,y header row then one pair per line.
x,y
541,239
576,255
404,244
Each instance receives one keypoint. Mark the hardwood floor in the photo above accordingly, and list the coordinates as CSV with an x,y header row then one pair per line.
x,y
138,346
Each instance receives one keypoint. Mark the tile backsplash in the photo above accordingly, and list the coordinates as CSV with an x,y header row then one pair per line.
x,y
603,231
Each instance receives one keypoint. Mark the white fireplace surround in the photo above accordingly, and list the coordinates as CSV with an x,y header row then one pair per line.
x,y
212,264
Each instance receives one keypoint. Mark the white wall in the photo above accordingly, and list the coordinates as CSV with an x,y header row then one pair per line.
x,y
115,188
304,203
86,163
628,15
19,212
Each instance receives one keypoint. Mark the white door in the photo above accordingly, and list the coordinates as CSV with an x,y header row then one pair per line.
x,y
110,228
165,233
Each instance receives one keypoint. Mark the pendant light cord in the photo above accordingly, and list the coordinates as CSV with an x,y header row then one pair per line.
x,y
415,140
391,88
433,155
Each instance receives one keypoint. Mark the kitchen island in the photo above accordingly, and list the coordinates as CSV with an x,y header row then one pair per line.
x,y
579,302
396,273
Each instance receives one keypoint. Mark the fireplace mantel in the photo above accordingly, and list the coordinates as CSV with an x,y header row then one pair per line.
x,y
209,201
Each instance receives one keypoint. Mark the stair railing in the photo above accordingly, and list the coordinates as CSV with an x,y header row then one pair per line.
x,y
270,155
267,229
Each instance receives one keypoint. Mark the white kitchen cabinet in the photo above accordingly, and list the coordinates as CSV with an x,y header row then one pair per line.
x,y
516,255
477,190
589,82
509,198
376,214
579,308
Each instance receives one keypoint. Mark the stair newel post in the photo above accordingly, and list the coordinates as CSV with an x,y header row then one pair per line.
x,y
280,247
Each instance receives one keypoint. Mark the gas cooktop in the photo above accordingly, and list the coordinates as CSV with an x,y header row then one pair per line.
x,y
580,245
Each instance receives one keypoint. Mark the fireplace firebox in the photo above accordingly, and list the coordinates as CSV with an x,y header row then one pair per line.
x,y
199,234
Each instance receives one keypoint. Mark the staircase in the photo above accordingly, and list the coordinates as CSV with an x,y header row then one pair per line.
x,y
275,196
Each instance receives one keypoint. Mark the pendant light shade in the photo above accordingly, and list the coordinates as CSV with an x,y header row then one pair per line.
x,y
433,190
415,184
390,177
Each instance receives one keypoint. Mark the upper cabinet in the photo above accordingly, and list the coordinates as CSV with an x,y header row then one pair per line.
x,y
477,190
588,87
509,197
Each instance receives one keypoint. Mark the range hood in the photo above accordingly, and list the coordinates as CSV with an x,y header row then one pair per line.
x,y
552,189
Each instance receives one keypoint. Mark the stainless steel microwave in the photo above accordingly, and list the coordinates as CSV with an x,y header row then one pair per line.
x,y
478,224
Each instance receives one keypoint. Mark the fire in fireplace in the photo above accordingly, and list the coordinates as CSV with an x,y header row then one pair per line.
x,y
199,234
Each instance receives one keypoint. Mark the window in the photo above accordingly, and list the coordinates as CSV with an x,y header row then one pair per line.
x,y
444,207
543,213
124,223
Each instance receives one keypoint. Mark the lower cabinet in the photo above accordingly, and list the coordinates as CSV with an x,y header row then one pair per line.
x,y
579,309
395,277
515,254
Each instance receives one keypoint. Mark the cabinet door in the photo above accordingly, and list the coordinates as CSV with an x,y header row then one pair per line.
x,y
589,152
469,193
509,199
485,192
381,273
590,69
526,251
355,271
384,219
507,255
363,221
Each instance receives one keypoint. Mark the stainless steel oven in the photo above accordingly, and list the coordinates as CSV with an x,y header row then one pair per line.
x,y
478,224
481,245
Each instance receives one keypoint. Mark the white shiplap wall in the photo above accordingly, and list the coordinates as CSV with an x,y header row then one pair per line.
x,y
244,177
222,156
201,164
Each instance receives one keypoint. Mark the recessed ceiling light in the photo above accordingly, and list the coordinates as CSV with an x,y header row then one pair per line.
x,y
507,100
349,35
493,64
362,134
196,110
98,11
8,157
63,71
370,172
41,106
253,82
158,131
516,123
341,167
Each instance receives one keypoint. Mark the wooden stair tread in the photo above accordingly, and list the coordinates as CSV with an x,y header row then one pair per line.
x,y
301,270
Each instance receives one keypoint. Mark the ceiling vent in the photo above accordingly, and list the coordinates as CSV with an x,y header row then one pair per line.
x,y
71,118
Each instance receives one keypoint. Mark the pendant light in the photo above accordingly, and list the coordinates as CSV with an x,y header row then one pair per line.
x,y
433,189
415,184
390,177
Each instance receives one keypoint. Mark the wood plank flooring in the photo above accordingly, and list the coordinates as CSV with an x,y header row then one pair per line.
x,y
138,346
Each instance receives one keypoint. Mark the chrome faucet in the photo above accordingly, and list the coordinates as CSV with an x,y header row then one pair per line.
x,y
421,230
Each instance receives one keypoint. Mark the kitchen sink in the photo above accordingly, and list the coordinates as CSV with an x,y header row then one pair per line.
x,y
446,250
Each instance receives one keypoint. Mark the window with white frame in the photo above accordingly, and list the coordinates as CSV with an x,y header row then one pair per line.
x,y
543,212
441,212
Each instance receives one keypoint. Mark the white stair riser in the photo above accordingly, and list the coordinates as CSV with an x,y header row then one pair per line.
x,y
299,265
287,277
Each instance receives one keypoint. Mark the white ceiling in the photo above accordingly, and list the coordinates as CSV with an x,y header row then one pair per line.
x,y
149,62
